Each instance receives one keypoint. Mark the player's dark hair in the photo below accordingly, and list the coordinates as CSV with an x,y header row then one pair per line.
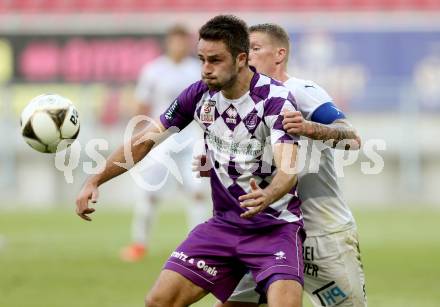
x,y
231,30
275,32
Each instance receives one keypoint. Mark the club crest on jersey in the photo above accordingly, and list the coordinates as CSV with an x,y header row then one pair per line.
x,y
251,121
207,112
232,115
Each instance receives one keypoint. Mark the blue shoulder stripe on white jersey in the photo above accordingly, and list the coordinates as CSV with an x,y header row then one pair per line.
x,y
326,114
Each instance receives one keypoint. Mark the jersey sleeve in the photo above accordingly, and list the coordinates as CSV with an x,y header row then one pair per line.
x,y
181,111
145,85
316,104
273,117
309,97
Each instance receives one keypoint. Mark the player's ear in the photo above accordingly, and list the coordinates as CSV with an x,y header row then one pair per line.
x,y
281,55
241,60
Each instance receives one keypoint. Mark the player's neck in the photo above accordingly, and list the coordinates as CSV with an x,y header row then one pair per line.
x,y
280,74
240,86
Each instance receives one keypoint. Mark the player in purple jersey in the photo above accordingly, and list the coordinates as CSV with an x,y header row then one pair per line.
x,y
257,224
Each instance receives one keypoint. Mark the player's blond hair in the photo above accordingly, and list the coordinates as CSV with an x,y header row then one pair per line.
x,y
276,33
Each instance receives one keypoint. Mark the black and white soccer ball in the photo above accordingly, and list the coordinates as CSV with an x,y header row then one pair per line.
x,y
47,120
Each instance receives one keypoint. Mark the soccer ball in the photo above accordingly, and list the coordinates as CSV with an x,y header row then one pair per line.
x,y
47,120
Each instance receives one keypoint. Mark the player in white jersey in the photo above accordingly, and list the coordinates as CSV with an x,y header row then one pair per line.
x,y
159,83
333,273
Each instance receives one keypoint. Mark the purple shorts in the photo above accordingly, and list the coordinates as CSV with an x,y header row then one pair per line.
x,y
216,255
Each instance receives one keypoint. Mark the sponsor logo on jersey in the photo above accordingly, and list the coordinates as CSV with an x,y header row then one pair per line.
x,y
207,109
330,294
252,147
232,115
172,110
207,113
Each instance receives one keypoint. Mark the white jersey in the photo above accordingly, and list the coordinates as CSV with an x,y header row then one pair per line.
x,y
161,81
324,209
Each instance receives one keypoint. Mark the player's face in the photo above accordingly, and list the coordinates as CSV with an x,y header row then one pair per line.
x,y
262,54
219,69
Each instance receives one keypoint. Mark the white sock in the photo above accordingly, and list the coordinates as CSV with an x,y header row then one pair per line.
x,y
143,218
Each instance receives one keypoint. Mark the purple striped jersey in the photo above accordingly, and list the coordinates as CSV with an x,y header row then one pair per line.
x,y
239,136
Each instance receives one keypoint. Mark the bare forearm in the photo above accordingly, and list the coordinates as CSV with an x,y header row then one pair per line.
x,y
119,161
340,134
281,184
286,177
127,155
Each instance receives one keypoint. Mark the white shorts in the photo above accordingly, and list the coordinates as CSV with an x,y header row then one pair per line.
x,y
333,273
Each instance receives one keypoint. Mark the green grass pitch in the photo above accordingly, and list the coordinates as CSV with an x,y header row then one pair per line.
x,y
54,259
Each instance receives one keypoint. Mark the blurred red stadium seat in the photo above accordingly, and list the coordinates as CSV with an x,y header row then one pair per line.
x,y
47,6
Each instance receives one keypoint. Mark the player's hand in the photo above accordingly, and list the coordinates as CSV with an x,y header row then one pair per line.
x,y
88,192
255,201
201,166
294,123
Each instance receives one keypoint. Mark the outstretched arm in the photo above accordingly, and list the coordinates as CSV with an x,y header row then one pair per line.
x,y
340,133
283,181
118,163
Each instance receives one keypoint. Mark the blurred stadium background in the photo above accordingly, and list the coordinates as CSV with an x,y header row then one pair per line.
x,y
380,60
